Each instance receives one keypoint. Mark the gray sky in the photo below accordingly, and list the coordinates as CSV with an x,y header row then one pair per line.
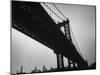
x,y
28,52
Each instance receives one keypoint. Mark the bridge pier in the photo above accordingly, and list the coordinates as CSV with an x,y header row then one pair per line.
x,y
60,62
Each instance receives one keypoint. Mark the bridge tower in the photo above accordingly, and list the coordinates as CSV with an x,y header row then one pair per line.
x,y
60,60
68,35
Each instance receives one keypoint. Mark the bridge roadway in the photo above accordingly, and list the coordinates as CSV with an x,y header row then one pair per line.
x,y
31,19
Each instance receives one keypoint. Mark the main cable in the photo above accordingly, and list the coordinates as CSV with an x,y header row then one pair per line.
x,y
75,41
52,11
62,20
59,10
70,29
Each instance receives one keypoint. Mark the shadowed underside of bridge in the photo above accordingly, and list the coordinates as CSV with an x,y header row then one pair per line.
x,y
31,19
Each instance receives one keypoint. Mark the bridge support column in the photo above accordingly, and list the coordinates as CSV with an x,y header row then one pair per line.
x,y
60,62
69,63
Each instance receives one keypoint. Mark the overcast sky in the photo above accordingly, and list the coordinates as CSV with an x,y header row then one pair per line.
x,y
28,52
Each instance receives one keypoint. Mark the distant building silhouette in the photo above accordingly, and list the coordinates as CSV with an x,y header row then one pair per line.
x,y
21,69
93,66
44,68
35,70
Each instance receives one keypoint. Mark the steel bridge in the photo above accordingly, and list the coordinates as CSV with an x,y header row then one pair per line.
x,y
31,19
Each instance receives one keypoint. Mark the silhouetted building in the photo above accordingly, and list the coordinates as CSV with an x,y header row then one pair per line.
x,y
93,66
44,68
21,69
35,70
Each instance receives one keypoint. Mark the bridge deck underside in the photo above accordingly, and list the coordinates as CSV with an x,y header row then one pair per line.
x,y
38,25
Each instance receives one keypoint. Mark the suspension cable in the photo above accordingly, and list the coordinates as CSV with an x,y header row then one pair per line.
x,y
52,11
59,10
62,20
75,41
70,29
